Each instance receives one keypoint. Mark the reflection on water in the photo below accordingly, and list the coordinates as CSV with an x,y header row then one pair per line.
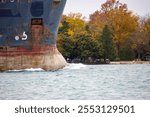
x,y
78,81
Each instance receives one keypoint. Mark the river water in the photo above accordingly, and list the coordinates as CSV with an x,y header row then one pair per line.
x,y
78,81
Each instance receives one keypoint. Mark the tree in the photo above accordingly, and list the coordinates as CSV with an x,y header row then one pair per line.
x,y
65,45
146,29
107,43
75,39
122,22
141,38
96,23
89,47
110,5
71,26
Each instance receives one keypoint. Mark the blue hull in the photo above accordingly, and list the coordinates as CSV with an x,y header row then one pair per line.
x,y
28,28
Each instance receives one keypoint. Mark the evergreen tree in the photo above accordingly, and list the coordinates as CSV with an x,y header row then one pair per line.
x,y
107,43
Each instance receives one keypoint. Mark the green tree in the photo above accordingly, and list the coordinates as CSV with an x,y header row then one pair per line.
x,y
75,39
107,43
65,45
88,47
70,27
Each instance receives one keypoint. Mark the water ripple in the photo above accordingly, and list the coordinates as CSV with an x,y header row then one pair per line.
x,y
78,81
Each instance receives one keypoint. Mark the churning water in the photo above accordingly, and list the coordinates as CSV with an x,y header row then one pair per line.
x,y
78,81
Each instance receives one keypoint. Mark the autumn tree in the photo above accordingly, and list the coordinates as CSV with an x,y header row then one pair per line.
x,y
96,23
76,24
141,38
146,29
121,21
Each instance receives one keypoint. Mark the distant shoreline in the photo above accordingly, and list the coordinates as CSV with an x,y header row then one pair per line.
x,y
129,62
114,62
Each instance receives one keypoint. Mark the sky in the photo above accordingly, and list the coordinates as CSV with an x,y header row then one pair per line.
x,y
87,7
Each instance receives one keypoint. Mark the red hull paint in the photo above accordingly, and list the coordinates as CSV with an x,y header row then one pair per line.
x,y
36,50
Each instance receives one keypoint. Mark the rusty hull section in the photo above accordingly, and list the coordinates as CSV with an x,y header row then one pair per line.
x,y
47,58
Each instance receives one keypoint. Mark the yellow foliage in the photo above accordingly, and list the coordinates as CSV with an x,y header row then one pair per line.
x,y
122,24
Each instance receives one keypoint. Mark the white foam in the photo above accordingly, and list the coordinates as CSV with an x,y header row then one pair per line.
x,y
34,69
31,69
75,66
